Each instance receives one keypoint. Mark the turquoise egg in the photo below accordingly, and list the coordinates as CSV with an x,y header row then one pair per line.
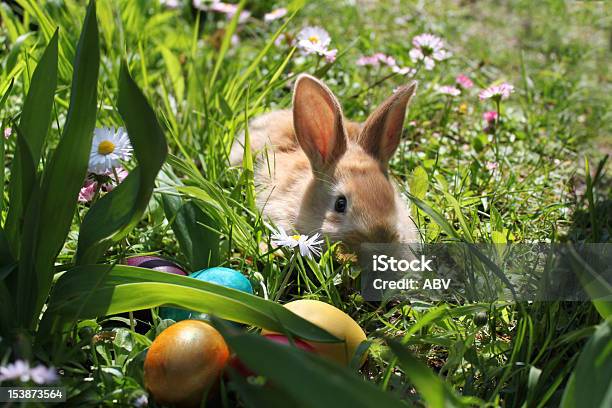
x,y
225,277
218,275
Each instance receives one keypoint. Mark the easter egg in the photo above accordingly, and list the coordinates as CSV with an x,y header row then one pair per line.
x,y
237,364
155,263
218,275
183,362
334,321
224,277
143,317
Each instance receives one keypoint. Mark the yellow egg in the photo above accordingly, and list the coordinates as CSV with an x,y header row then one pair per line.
x,y
183,362
337,323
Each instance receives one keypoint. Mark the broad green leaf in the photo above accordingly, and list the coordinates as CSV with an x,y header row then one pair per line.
x,y
435,392
419,183
33,125
256,396
596,286
194,232
98,290
47,222
591,382
306,377
118,212
25,282
498,237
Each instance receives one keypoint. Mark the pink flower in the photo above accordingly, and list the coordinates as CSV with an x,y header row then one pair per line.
x,y
275,14
330,55
464,81
379,58
8,132
364,61
449,90
226,8
492,166
497,92
385,59
490,116
43,375
88,191
376,59
428,49
20,371
113,182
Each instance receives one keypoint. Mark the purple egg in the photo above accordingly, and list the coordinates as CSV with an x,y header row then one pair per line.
x,y
155,263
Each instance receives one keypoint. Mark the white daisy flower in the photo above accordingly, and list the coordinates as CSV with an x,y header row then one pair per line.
x,y
497,92
428,49
308,246
403,70
275,14
171,4
108,149
314,40
449,90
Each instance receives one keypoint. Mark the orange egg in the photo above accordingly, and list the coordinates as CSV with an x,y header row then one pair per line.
x,y
184,361
337,323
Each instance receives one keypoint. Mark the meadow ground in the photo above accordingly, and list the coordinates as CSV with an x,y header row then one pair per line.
x,y
531,168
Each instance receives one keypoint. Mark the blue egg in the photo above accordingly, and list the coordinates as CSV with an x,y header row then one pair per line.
x,y
225,277
219,276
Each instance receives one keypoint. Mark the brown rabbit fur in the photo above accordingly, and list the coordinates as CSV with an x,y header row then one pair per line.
x,y
312,160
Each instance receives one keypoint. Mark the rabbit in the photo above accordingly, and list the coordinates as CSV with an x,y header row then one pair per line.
x,y
318,172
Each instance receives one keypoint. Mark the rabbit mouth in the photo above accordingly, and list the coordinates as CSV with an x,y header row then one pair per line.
x,y
378,235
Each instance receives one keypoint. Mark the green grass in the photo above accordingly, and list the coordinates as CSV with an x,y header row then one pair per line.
x,y
552,184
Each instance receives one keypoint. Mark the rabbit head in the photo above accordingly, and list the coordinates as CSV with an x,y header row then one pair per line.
x,y
351,196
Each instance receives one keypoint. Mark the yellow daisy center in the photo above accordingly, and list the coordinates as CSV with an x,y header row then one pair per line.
x,y
313,39
296,237
106,147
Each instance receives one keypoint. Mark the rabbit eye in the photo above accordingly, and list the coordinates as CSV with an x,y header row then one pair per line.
x,y
340,205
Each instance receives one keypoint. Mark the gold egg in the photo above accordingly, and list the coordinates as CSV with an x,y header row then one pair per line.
x,y
183,362
334,321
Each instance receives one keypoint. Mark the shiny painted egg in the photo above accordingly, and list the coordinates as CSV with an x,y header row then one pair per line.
x,y
143,317
155,263
218,275
237,364
184,362
337,323
224,277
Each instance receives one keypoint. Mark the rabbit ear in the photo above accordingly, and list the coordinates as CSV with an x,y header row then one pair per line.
x,y
318,124
382,131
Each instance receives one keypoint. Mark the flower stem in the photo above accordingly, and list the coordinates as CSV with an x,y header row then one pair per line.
x,y
281,290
